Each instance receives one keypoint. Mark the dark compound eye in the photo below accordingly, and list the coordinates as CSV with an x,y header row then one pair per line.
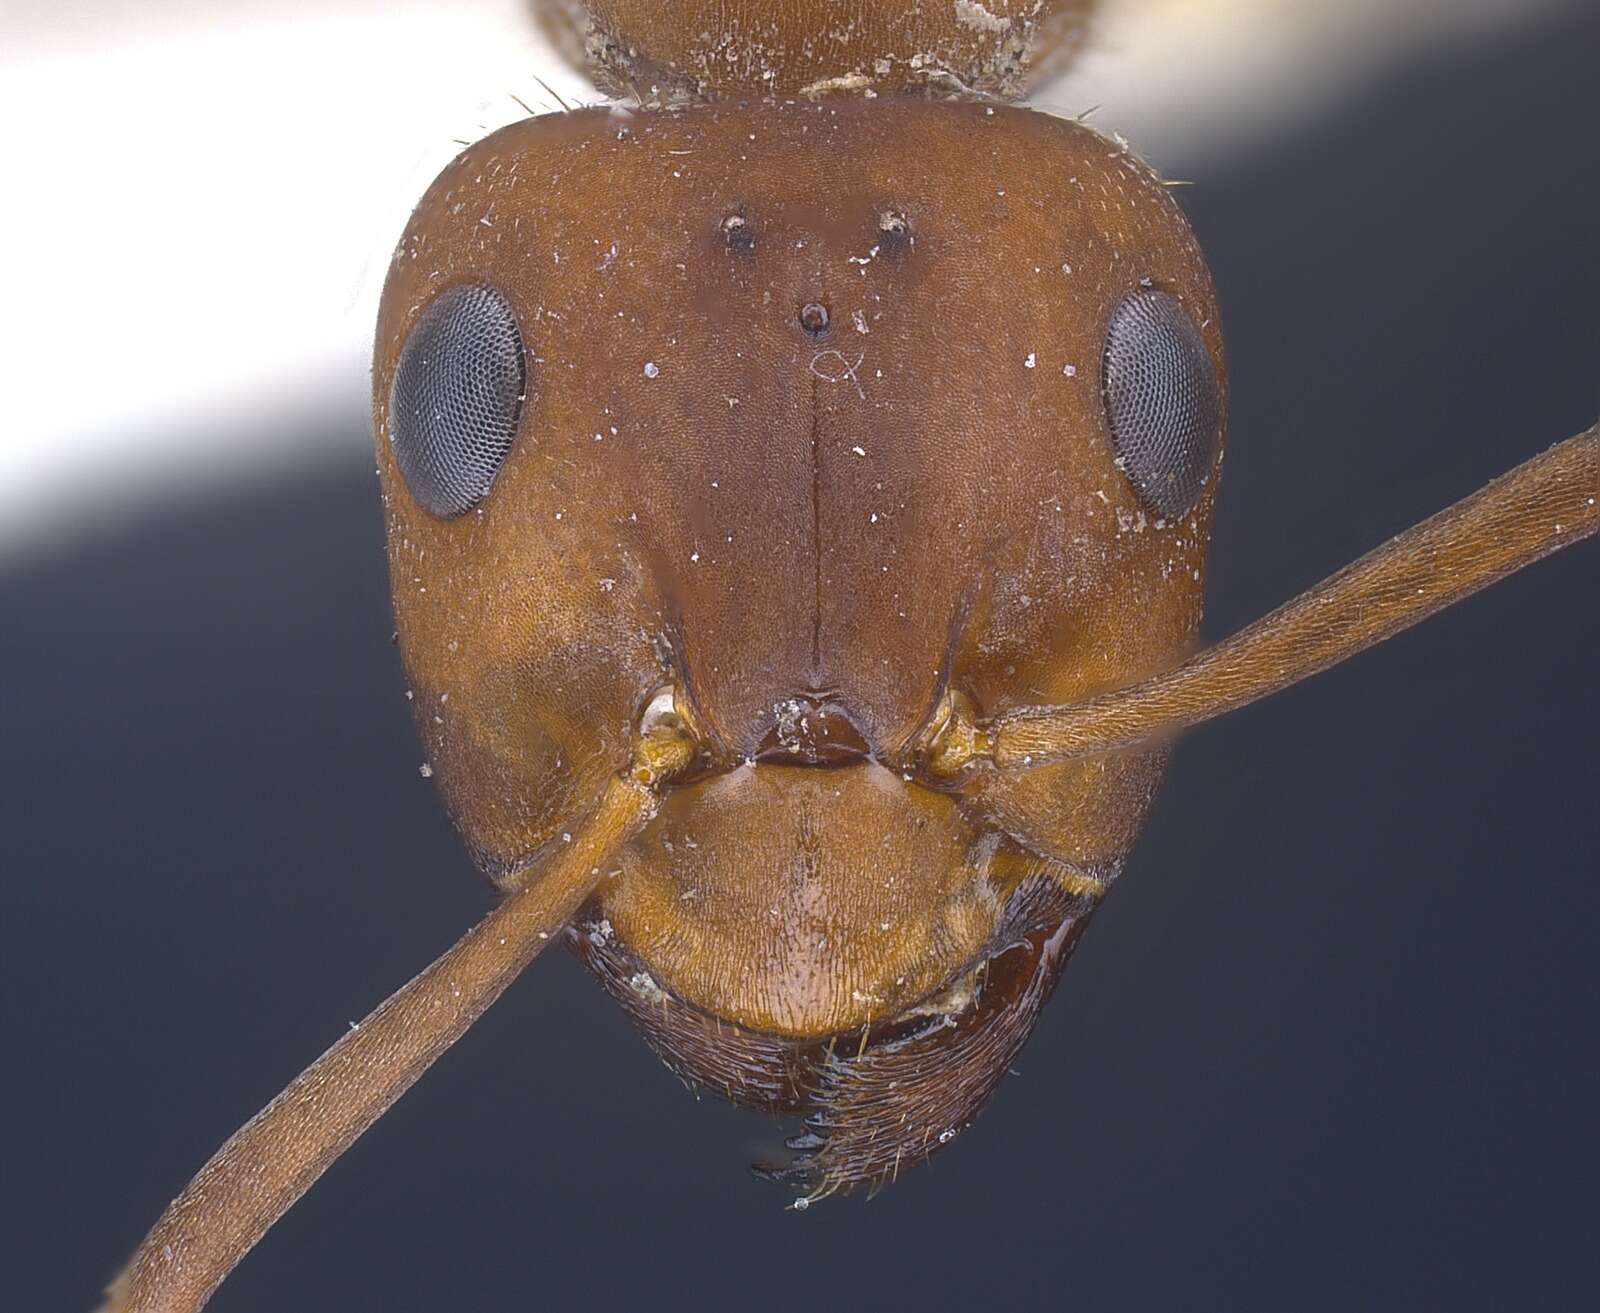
x,y
1162,399
457,397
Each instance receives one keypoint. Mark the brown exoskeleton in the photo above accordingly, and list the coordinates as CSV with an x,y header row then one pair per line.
x,y
797,517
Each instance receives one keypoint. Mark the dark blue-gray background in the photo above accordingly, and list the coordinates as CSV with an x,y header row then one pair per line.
x,y
1332,1042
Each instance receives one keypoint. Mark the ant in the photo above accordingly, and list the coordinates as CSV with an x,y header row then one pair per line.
x,y
797,552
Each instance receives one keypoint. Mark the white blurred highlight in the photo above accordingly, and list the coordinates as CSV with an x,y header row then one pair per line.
x,y
1187,81
202,208
203,198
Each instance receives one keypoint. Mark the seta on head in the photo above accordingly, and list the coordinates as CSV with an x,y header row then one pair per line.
x,y
797,503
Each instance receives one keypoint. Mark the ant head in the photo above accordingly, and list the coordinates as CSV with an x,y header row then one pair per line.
x,y
659,408
654,408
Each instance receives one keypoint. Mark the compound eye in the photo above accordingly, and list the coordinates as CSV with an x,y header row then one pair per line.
x,y
1162,400
457,396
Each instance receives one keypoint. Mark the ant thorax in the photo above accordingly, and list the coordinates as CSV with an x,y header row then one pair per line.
x,y
654,52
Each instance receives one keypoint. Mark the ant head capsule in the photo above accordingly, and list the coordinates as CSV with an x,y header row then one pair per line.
x,y
961,435
872,449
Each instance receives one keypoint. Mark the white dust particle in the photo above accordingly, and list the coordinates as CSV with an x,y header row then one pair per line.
x,y
643,984
971,14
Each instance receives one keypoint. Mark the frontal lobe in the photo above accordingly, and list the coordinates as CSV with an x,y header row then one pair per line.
x,y
701,49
